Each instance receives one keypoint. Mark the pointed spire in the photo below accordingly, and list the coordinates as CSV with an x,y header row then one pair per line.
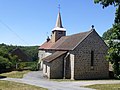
x,y
59,21
58,25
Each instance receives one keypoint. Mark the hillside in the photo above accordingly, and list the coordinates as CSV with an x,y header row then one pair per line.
x,y
31,51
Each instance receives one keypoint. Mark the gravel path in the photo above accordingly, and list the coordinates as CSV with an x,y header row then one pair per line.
x,y
36,78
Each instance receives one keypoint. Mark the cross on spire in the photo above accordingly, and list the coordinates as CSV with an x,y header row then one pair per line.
x,y
59,7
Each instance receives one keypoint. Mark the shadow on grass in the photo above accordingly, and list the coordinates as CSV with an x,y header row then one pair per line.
x,y
1,77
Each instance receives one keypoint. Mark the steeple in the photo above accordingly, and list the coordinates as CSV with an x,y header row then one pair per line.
x,y
59,21
58,25
58,31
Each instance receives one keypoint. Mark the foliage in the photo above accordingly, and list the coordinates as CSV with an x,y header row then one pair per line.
x,y
34,67
4,64
106,35
116,3
27,66
105,86
7,61
31,51
114,49
116,32
114,56
20,66
112,33
9,85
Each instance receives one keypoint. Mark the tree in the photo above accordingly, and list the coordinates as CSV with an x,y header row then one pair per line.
x,y
114,49
5,64
114,37
112,33
116,3
106,35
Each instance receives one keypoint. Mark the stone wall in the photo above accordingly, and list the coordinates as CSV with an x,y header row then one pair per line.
x,y
82,60
57,68
57,34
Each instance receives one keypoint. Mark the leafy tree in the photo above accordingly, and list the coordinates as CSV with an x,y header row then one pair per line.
x,y
114,48
8,61
14,60
106,35
116,3
113,35
5,64
31,51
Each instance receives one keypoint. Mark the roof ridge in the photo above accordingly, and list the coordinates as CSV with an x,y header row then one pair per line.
x,y
80,33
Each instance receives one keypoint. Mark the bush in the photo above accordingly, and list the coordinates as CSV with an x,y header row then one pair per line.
x,y
27,66
5,64
34,67
21,66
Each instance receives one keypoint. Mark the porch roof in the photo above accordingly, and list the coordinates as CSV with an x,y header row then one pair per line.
x,y
54,56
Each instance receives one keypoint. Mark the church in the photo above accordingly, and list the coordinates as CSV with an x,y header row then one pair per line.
x,y
77,56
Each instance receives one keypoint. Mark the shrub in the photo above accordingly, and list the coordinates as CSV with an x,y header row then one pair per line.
x,y
21,66
27,66
33,67
5,64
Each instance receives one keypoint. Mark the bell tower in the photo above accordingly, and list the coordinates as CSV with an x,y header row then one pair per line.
x,y
59,30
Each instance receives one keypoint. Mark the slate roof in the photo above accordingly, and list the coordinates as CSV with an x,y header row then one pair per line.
x,y
70,42
66,42
46,45
54,56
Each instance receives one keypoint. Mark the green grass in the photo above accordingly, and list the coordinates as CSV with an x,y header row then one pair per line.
x,y
8,85
105,86
14,74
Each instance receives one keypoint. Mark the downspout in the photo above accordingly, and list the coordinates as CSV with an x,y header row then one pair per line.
x,y
65,65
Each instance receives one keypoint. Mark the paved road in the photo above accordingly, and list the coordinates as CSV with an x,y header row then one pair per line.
x,y
36,78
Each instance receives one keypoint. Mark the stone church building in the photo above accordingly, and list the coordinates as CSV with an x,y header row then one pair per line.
x,y
77,56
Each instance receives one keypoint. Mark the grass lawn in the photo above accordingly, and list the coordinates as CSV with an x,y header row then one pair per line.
x,y
15,74
105,86
8,85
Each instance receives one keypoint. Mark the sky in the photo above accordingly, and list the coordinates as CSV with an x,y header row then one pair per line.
x,y
29,22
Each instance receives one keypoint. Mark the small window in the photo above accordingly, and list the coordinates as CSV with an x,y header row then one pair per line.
x,y
60,32
92,58
45,68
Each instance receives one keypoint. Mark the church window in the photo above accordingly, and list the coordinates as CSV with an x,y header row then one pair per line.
x,y
92,58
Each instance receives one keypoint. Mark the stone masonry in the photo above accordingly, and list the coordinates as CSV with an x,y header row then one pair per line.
x,y
82,62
